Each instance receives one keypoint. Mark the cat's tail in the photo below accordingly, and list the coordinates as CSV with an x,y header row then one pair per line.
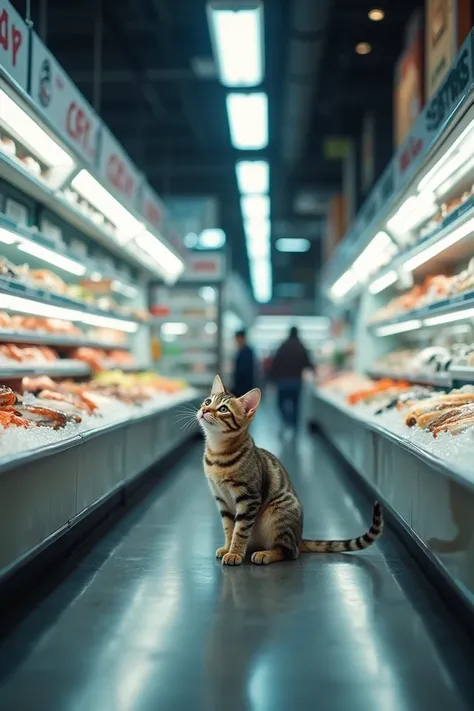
x,y
350,544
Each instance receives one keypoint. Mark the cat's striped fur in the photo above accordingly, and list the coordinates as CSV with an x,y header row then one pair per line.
x,y
259,507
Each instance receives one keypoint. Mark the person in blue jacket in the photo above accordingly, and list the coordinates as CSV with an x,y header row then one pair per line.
x,y
244,374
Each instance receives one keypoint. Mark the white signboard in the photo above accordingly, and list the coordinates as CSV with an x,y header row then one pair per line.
x,y
206,267
116,170
63,103
151,207
13,44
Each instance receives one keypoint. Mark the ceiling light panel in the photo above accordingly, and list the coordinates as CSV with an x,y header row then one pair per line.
x,y
289,244
248,120
237,40
255,207
252,176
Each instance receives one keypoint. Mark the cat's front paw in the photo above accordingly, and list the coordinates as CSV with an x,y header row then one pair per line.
x,y
232,559
220,552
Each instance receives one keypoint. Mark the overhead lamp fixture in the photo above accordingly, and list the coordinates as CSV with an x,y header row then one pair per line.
x,y
257,229
89,188
48,255
448,318
168,263
237,41
258,249
290,244
211,238
248,120
402,327
376,15
363,48
190,240
260,272
383,282
30,133
7,236
252,176
439,246
255,207
34,308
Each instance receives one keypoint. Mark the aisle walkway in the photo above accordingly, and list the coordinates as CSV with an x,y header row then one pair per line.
x,y
150,621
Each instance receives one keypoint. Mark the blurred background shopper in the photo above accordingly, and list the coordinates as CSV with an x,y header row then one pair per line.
x,y
244,373
290,360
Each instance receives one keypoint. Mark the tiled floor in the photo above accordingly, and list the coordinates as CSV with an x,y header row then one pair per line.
x,y
149,620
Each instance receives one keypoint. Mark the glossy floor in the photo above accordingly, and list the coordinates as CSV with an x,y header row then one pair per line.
x,y
149,620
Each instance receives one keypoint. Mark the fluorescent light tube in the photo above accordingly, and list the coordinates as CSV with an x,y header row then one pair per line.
x,y
248,120
447,318
454,158
8,237
211,239
415,209
260,271
258,249
257,230
255,207
48,255
383,282
35,308
252,176
290,244
402,327
174,329
237,39
126,224
169,264
344,284
129,291
28,131
439,246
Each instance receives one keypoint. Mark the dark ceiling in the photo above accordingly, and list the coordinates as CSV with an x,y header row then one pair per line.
x,y
172,121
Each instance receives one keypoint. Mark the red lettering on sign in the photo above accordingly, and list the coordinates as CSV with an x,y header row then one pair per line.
x,y
16,36
204,266
120,176
79,127
152,213
409,153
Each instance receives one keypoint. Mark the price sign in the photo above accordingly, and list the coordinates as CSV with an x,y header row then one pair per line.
x,y
13,44
116,170
63,103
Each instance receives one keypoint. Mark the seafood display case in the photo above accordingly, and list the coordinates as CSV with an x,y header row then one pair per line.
x,y
404,415
82,235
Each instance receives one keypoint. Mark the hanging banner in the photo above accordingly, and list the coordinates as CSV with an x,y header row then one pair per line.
x,y
116,171
63,103
13,44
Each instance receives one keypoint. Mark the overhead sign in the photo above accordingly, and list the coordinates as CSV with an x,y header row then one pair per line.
x,y
62,102
207,268
150,206
13,44
116,170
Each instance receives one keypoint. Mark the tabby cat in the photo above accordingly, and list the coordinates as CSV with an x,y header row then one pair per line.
x,y
259,508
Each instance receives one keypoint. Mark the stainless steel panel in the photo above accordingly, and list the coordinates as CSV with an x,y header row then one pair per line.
x,y
101,466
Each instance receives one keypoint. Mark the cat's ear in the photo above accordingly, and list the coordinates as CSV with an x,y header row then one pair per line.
x,y
218,386
251,401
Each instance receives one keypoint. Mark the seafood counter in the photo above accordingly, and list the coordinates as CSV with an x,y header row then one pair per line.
x,y
435,420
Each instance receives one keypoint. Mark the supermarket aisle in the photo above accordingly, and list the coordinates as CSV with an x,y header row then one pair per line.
x,y
149,620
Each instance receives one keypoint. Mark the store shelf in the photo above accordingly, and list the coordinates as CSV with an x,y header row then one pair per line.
x,y
192,358
12,287
198,378
443,307
60,369
462,373
440,380
40,338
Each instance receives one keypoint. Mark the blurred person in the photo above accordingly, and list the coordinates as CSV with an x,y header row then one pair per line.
x,y
244,373
289,362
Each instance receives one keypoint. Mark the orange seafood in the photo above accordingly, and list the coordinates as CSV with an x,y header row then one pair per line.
x,y
7,396
40,415
11,419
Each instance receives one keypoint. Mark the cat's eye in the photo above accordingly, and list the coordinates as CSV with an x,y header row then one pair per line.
x,y
208,401
223,408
